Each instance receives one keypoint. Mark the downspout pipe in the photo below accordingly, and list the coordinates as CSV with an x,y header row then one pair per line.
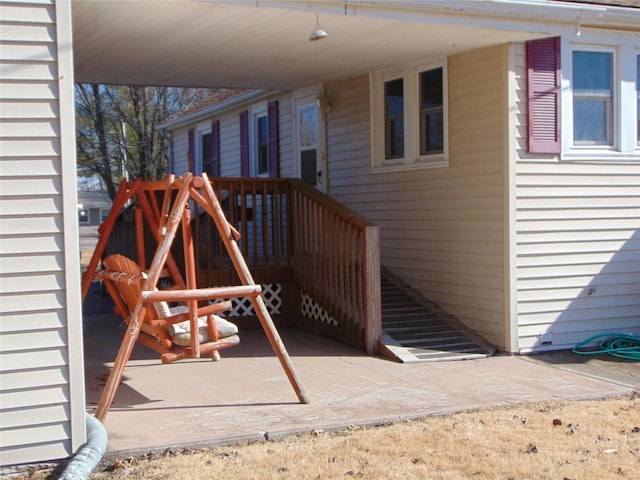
x,y
90,454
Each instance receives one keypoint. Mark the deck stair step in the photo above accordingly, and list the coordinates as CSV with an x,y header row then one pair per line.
x,y
415,329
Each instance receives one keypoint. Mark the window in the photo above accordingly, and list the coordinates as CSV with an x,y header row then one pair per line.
x,y
638,100
208,150
394,118
409,119
83,215
431,112
206,157
202,145
600,100
260,153
259,140
592,98
104,213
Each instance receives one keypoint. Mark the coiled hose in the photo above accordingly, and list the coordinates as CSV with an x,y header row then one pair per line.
x,y
617,344
90,454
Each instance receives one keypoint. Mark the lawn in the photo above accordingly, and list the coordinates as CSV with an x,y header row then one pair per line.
x,y
569,440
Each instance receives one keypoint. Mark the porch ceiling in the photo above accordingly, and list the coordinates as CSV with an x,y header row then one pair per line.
x,y
203,43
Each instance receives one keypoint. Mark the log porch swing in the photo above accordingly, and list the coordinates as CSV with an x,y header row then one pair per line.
x,y
134,288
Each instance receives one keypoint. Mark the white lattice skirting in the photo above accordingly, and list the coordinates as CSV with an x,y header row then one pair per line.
x,y
312,310
241,307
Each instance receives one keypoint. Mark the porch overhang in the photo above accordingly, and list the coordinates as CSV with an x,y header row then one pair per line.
x,y
265,44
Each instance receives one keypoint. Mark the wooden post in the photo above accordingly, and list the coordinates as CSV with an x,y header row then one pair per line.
x,y
372,293
164,215
125,192
258,304
140,249
190,273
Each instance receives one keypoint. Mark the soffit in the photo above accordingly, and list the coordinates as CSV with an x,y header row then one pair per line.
x,y
210,44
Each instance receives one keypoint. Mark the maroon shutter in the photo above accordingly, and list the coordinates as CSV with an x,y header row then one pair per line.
x,y
215,149
244,143
544,75
274,150
192,149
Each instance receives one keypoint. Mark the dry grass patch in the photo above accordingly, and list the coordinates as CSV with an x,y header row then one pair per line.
x,y
555,440
85,257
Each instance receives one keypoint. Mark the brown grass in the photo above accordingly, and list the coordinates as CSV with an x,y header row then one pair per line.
x,y
85,257
555,440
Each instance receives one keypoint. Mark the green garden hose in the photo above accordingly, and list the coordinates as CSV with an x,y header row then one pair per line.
x,y
617,344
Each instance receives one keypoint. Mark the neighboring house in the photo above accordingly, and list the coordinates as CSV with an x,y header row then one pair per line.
x,y
93,207
526,229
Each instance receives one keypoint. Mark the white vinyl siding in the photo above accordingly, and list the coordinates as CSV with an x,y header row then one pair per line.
x,y
230,145
287,136
180,147
41,364
577,243
230,140
442,230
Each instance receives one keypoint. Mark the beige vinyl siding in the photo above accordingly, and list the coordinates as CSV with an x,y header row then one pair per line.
x,y
578,243
41,365
442,229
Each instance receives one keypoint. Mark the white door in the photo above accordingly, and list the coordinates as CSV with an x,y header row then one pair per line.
x,y
309,126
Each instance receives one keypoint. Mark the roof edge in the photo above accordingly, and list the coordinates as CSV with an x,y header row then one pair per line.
x,y
214,109
596,14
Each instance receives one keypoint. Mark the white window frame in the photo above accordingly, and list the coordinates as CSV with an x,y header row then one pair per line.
x,y
201,130
625,145
412,159
255,112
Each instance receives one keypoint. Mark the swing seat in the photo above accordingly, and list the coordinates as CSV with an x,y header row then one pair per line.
x,y
166,329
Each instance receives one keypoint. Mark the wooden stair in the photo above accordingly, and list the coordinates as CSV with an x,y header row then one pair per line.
x,y
415,329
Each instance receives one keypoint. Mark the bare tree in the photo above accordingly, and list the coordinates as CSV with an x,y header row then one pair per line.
x,y
116,136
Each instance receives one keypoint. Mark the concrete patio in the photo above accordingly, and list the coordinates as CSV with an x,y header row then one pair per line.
x,y
247,395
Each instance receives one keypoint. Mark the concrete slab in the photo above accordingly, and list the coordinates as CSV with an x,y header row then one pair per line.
x,y
247,395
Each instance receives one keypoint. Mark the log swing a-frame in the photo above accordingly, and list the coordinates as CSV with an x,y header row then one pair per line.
x,y
143,322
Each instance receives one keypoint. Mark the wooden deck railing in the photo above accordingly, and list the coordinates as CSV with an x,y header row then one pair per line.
x,y
259,210
337,263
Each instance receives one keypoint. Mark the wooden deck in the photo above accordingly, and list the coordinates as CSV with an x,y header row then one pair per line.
x,y
415,329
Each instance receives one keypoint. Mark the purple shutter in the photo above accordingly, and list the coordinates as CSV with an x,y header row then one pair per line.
x,y
192,149
215,149
171,165
544,75
244,143
274,150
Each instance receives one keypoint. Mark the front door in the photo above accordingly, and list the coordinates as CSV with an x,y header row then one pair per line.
x,y
310,138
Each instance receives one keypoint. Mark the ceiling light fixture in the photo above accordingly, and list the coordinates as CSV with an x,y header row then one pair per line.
x,y
318,33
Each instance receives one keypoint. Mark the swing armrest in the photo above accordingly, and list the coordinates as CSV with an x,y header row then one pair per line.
x,y
202,312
